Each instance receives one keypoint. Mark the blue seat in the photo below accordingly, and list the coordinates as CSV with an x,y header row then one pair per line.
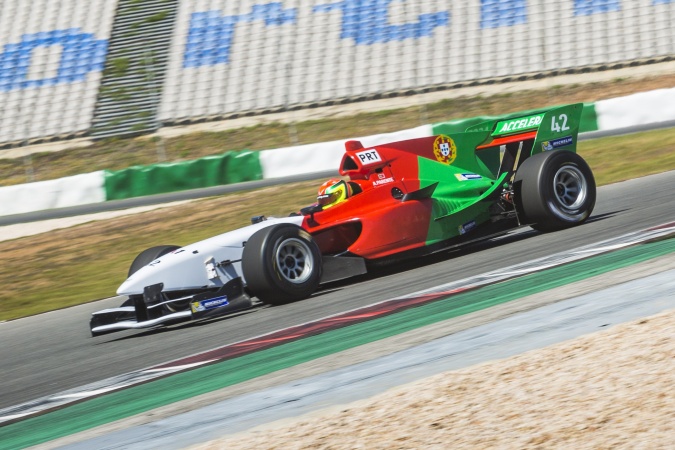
x,y
50,81
190,59
31,84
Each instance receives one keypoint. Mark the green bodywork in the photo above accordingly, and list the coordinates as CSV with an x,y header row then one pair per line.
x,y
474,180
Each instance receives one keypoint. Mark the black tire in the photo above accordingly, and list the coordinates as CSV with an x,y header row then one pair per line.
x,y
281,264
554,190
149,255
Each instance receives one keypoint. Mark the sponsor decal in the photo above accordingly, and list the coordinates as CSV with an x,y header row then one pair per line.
x,y
211,303
463,229
478,129
211,269
383,181
445,149
467,176
369,156
557,143
525,123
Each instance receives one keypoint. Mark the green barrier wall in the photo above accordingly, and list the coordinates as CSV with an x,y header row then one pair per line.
x,y
589,118
589,121
137,181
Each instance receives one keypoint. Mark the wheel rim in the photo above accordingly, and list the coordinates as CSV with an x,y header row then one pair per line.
x,y
294,260
570,187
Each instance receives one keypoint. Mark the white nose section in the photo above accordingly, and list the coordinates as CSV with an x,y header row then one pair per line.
x,y
196,266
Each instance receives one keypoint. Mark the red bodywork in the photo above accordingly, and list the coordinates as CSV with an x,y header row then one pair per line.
x,y
376,223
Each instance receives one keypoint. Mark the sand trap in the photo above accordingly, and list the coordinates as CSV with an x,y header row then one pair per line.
x,y
612,389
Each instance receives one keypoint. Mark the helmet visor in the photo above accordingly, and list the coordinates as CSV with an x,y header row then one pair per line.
x,y
333,195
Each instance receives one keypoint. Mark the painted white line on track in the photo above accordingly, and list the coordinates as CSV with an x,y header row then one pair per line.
x,y
85,394
181,367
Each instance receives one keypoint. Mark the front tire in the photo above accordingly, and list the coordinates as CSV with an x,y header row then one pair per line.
x,y
554,190
149,255
143,259
281,263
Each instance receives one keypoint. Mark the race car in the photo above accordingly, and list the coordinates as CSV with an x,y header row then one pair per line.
x,y
393,201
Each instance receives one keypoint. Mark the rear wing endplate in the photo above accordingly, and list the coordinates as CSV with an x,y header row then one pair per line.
x,y
557,128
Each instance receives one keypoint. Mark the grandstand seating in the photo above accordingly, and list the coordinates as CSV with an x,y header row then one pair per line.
x,y
236,57
52,53
232,57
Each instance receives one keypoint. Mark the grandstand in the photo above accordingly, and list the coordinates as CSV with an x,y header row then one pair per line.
x,y
121,67
53,53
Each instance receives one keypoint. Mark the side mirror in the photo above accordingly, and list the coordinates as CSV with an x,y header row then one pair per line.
x,y
310,211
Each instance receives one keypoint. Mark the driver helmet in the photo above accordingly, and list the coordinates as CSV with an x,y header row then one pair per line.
x,y
332,192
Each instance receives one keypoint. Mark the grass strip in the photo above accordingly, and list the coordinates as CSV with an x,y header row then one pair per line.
x,y
145,397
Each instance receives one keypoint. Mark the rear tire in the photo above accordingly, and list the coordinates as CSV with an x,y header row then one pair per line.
x,y
281,264
554,190
149,255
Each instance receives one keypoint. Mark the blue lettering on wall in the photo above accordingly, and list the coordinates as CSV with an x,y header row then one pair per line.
x,y
81,54
588,7
210,35
502,13
367,22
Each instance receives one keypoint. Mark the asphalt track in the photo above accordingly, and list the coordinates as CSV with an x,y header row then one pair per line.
x,y
54,352
502,338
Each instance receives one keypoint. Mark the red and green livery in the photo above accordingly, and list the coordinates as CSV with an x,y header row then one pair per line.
x,y
408,198
431,192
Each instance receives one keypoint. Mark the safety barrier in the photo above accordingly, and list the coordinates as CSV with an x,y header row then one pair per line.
x,y
233,167
60,193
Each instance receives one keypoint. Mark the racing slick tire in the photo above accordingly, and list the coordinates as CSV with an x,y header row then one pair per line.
x,y
281,264
554,190
149,255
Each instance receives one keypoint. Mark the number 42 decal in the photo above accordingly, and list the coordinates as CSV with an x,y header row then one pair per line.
x,y
559,126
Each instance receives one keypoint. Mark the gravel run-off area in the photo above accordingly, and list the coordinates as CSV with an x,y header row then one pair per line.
x,y
608,390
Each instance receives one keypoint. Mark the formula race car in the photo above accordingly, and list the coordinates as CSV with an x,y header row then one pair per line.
x,y
394,201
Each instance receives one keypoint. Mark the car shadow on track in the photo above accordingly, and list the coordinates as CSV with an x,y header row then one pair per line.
x,y
599,217
398,267
374,272
406,265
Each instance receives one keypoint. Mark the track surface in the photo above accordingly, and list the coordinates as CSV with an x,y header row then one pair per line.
x,y
53,352
503,338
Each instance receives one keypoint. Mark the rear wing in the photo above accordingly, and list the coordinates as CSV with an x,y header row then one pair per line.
x,y
552,129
